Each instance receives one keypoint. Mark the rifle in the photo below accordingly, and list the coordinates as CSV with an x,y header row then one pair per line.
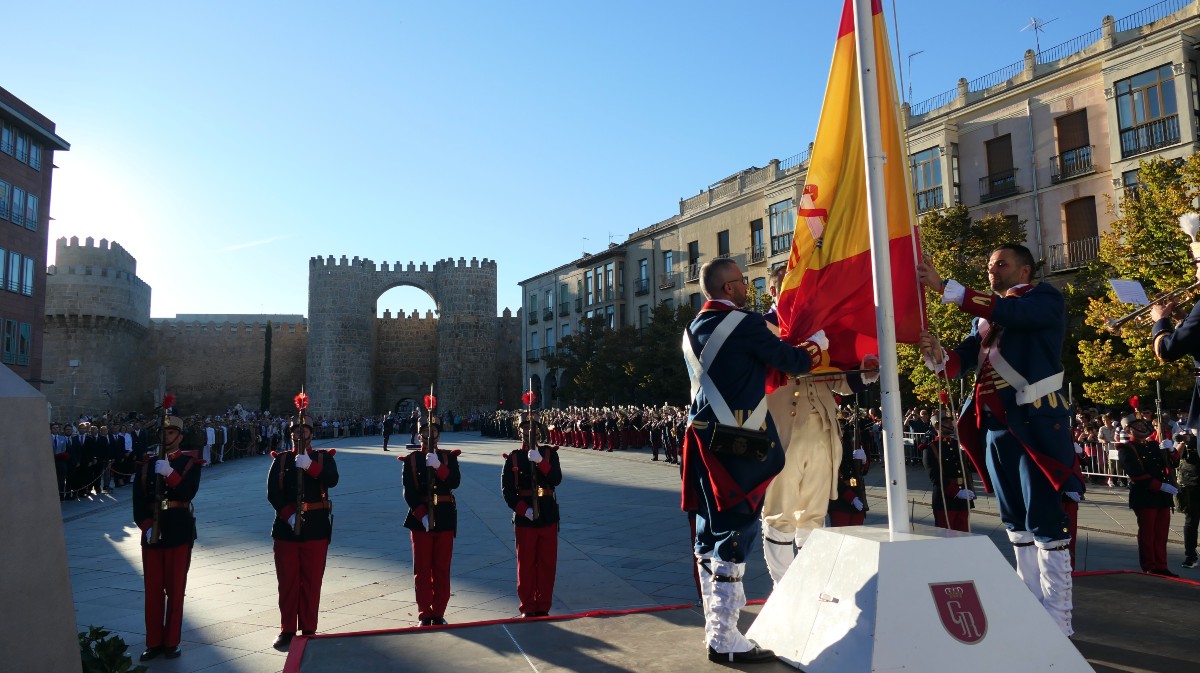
x,y
430,496
301,404
531,435
160,485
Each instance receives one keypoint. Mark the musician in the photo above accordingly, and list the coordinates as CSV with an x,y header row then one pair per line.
x,y
727,350
430,476
1171,343
1017,415
298,489
528,480
165,560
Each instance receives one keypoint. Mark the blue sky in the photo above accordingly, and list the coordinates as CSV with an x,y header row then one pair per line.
x,y
225,143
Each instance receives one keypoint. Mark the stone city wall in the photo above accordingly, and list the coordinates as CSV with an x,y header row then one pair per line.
x,y
405,360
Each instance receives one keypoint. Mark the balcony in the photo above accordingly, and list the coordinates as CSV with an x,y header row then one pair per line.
x,y
693,272
929,199
532,355
641,286
564,309
1071,164
547,351
1072,254
1149,136
756,254
782,244
998,185
533,317
579,305
667,281
547,314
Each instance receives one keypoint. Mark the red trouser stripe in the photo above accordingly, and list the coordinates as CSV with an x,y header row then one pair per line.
x,y
432,553
299,568
166,581
1153,525
537,559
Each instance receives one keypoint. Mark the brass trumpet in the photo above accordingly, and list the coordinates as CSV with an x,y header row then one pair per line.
x,y
1115,324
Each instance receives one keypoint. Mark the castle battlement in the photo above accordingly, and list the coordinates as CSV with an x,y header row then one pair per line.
x,y
363,263
69,252
102,272
387,315
450,263
254,327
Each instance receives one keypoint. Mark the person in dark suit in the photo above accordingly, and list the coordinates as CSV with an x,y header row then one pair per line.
x,y
302,477
1016,425
728,351
167,551
528,481
430,476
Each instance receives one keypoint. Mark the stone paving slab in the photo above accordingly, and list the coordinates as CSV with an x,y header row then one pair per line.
x,y
623,544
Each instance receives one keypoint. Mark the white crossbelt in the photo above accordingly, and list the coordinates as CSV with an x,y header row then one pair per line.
x,y
698,373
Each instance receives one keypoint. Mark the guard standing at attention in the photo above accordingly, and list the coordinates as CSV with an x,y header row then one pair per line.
x,y
528,480
430,477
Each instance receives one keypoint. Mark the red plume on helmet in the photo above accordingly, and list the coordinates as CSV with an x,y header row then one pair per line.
x,y
1133,401
301,401
430,402
168,401
944,397
529,399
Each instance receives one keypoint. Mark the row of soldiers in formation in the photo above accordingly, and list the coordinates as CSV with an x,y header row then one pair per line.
x,y
298,484
602,428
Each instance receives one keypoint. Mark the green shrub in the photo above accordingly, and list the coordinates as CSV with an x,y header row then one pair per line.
x,y
104,652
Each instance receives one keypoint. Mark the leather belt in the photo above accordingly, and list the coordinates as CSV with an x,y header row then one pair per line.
x,y
176,504
311,506
542,491
439,499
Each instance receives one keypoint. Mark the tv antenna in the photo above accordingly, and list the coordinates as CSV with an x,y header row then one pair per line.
x,y
1037,26
910,58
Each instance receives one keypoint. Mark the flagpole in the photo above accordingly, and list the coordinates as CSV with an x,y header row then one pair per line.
x,y
889,381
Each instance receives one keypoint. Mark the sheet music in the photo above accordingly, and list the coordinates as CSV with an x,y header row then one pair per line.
x,y
1129,291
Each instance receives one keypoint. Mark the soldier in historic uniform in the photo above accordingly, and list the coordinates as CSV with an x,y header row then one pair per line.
x,y
528,480
850,507
953,491
1016,425
167,548
1151,473
298,489
430,476
728,350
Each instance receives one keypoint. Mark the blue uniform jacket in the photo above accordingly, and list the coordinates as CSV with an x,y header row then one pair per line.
x,y
1173,344
739,372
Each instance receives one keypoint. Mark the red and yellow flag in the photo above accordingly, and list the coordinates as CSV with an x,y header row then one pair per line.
x,y
828,284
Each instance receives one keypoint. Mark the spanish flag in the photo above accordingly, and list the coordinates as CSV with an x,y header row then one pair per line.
x,y
828,284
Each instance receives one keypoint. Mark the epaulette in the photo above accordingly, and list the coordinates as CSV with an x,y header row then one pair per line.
x,y
329,451
455,452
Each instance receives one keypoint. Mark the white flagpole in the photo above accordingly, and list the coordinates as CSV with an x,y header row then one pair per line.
x,y
881,271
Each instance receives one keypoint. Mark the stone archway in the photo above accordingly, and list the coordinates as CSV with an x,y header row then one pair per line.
x,y
346,346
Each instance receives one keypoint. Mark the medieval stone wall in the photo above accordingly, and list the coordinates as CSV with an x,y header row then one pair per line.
x,y
406,360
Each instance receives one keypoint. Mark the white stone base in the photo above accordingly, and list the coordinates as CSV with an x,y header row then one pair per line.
x,y
857,601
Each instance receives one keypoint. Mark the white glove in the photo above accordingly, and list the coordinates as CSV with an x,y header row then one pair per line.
x,y
859,454
149,531
303,461
292,520
529,513
1074,495
858,504
535,456
964,494
425,522
1079,447
1167,445
163,468
1168,489
820,339
431,460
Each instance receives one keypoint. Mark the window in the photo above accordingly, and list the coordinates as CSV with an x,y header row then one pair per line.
x,y
696,300
9,354
927,179
643,316
532,304
566,331
598,283
1079,217
760,284
6,138
23,343
549,340
5,199
3,258
27,278
1130,183
22,147
609,294
14,272
693,253
610,316
723,243
757,248
587,281
31,212
669,262
18,206
1147,113
533,340
550,299
621,280
35,156
1074,156
1001,179
782,222
563,306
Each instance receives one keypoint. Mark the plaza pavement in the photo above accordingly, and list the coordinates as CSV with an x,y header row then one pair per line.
x,y
623,544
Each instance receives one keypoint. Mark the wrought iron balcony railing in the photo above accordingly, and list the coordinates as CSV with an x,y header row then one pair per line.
x,y
1071,164
998,185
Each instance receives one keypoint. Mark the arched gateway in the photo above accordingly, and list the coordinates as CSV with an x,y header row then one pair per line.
x,y
357,363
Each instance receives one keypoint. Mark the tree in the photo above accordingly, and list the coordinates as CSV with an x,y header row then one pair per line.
x,y
959,248
264,398
1144,244
577,357
660,374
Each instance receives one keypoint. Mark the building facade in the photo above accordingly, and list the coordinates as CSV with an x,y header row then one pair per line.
x,y
27,145
1052,140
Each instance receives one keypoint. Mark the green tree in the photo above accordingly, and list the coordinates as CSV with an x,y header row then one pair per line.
x,y
577,356
1144,244
959,248
659,373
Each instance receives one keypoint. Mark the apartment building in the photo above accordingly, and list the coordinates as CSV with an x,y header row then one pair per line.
x,y
27,146
1049,140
